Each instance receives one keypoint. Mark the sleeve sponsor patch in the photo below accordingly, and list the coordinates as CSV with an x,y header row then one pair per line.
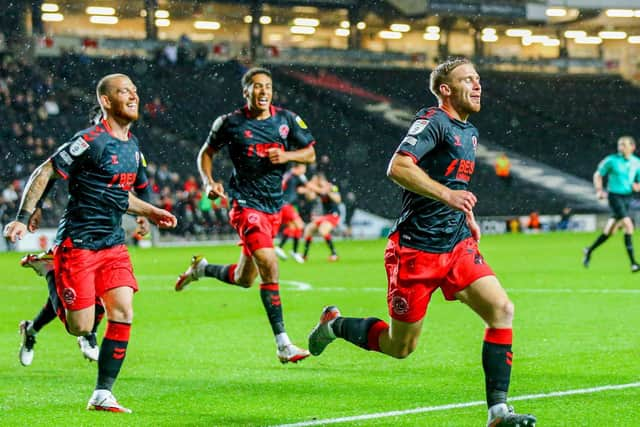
x,y
418,126
78,147
301,122
409,140
66,158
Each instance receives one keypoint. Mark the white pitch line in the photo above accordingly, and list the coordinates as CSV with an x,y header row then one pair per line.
x,y
457,405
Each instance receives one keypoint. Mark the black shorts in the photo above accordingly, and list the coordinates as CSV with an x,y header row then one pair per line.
x,y
619,205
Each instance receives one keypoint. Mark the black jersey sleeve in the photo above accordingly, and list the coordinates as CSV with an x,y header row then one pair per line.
x,y
299,136
141,185
73,154
421,138
217,136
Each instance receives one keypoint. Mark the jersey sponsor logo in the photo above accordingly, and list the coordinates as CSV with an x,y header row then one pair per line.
x,y
78,147
418,126
123,180
301,122
410,140
464,169
262,149
399,304
283,131
68,296
66,158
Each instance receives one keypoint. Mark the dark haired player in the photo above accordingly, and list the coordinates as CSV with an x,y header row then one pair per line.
x,y
330,199
434,243
294,186
90,259
261,140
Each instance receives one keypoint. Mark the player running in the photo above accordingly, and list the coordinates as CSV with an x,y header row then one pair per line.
x,y
330,199
434,243
294,187
90,259
261,140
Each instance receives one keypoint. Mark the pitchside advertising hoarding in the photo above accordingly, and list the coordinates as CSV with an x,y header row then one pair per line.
x,y
496,8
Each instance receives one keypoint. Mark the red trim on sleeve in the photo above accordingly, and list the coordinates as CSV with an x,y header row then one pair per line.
x,y
272,110
408,154
311,144
143,185
499,336
60,171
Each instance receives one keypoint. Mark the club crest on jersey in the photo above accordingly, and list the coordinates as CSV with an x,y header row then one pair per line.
x,y
284,131
78,147
301,122
418,126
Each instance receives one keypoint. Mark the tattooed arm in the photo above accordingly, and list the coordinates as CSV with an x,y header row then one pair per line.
x,y
33,191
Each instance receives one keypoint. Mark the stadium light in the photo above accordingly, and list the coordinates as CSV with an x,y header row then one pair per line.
x,y
619,13
433,29
431,36
306,22
361,25
588,40
265,20
298,29
489,38
52,17
49,7
162,22
551,42
556,12
400,28
573,34
342,32
206,25
488,30
637,13
634,39
103,20
162,14
612,35
391,35
345,24
97,10
248,19
517,32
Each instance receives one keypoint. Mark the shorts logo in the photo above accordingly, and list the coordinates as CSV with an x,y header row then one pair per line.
x,y
284,131
78,147
68,296
253,218
400,305
418,126
478,259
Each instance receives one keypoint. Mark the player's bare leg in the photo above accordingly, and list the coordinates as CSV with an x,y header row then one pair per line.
x,y
266,261
325,230
488,299
309,231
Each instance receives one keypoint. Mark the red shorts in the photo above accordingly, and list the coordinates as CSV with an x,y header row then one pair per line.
x,y
84,274
333,219
289,214
255,228
413,275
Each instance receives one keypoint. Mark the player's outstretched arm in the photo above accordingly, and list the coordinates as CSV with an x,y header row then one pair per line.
x,y
160,217
597,184
404,172
33,191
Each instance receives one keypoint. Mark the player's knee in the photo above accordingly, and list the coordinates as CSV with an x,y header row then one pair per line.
x,y
245,281
79,330
403,351
504,312
121,314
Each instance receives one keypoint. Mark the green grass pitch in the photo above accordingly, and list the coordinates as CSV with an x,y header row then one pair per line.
x,y
206,356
